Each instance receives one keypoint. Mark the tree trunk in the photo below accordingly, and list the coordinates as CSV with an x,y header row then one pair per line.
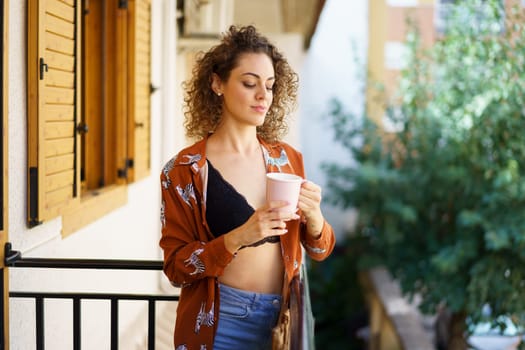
x,y
457,332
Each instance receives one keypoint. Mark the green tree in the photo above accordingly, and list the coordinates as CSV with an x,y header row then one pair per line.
x,y
441,195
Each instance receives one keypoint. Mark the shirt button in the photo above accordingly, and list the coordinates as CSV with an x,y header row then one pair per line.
x,y
275,301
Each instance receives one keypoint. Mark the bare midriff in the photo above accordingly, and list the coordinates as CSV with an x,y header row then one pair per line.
x,y
256,269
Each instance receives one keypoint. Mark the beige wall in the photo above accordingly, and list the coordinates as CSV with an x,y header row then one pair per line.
x,y
388,28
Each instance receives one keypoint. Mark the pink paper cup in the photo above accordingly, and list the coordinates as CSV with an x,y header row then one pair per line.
x,y
283,187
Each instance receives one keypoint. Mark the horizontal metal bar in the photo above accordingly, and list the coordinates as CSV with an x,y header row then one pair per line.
x,y
92,296
103,264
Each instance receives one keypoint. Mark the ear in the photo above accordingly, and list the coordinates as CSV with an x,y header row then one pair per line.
x,y
216,84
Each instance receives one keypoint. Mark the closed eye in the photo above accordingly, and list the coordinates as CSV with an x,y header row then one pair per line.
x,y
251,86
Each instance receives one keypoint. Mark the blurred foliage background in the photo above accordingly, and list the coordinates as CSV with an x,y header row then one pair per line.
x,y
439,184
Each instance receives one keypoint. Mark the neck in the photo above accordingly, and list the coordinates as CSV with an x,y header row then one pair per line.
x,y
243,142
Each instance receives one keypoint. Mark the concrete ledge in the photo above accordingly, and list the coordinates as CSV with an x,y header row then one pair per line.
x,y
394,323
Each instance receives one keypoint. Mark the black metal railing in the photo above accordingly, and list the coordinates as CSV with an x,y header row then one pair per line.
x,y
14,259
302,332
302,318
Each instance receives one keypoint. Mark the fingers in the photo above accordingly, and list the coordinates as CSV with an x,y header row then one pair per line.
x,y
311,189
310,202
263,223
310,195
277,214
270,221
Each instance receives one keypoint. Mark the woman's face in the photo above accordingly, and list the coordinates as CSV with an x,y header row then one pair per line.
x,y
247,94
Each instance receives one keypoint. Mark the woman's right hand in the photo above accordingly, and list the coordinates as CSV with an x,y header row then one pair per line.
x,y
265,222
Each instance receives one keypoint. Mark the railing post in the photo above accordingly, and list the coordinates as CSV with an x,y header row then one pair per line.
x,y
39,312
3,310
114,324
151,325
76,324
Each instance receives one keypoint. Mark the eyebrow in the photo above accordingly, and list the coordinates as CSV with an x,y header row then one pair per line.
x,y
257,76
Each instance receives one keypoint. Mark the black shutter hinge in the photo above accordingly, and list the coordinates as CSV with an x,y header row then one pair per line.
x,y
123,4
123,172
33,197
152,88
43,67
82,128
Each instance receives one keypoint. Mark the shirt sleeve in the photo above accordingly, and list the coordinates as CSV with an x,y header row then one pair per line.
x,y
321,247
186,257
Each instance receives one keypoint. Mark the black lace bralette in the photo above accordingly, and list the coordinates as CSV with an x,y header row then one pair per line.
x,y
226,208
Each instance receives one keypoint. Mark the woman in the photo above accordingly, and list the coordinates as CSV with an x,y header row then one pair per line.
x,y
232,253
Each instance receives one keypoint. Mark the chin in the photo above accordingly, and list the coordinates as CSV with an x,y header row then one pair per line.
x,y
258,121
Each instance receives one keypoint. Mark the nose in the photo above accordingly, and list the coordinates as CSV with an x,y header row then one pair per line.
x,y
261,93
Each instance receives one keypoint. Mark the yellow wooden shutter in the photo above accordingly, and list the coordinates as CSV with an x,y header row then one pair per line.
x,y
139,131
53,101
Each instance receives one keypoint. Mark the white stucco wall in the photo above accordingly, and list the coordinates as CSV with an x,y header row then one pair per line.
x,y
130,232
329,71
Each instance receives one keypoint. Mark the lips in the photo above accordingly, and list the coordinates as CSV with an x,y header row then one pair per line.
x,y
259,109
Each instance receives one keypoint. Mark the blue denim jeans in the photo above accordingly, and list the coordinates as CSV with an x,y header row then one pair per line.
x,y
246,319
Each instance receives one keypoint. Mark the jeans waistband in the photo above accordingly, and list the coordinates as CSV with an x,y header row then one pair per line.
x,y
248,297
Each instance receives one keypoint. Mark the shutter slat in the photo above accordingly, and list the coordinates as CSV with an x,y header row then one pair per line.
x,y
59,78
58,95
58,147
56,130
60,27
60,163
61,10
59,43
59,112
68,2
59,180
58,198
60,61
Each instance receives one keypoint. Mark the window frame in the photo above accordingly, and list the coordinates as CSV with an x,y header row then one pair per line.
x,y
120,92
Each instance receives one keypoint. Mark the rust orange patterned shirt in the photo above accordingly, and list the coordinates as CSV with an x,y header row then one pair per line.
x,y
193,258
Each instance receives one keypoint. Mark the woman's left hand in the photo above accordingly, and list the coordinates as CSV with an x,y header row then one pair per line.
x,y
310,204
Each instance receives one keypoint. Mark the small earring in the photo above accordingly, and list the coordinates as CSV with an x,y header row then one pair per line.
x,y
219,94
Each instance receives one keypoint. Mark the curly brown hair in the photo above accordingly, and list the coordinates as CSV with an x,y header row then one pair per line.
x,y
203,108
